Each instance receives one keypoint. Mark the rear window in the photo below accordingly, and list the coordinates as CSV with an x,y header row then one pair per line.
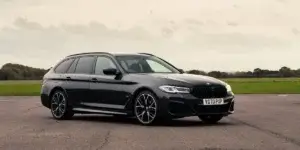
x,y
85,65
64,66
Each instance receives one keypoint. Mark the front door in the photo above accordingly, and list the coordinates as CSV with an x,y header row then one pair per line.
x,y
107,91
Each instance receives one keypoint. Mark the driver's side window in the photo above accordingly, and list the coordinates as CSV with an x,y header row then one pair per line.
x,y
103,63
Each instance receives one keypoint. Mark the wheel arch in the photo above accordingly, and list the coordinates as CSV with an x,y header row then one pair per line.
x,y
136,93
57,88
141,89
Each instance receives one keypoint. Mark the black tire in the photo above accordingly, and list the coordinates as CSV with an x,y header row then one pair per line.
x,y
61,110
145,108
211,119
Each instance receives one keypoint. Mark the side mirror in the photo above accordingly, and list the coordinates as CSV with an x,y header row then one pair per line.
x,y
111,71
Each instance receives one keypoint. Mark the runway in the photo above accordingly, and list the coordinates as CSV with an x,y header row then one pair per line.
x,y
260,122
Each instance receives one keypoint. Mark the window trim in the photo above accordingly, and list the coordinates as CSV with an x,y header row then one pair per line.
x,y
76,59
58,64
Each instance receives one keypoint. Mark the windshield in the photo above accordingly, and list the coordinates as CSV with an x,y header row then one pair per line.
x,y
144,64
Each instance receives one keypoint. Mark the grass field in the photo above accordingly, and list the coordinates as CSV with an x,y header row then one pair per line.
x,y
265,85
239,86
20,88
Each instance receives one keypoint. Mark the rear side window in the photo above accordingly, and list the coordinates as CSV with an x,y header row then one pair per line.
x,y
85,65
64,66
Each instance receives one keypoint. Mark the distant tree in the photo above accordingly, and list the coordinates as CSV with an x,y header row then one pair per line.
x,y
242,74
19,72
297,72
218,74
286,72
197,72
257,72
2,75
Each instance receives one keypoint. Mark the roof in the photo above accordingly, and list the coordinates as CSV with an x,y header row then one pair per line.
x,y
107,53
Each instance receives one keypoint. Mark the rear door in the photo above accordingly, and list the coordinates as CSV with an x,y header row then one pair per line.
x,y
62,75
79,77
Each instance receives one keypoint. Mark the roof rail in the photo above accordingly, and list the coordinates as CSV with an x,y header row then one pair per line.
x,y
147,54
89,53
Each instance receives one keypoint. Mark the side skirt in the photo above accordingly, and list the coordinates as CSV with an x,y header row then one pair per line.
x,y
96,111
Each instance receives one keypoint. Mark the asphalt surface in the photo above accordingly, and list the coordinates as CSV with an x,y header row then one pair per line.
x,y
266,122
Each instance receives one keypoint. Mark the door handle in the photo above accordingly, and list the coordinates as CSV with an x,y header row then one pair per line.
x,y
94,79
68,78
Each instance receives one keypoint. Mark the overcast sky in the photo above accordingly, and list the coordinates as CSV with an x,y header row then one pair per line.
x,y
227,35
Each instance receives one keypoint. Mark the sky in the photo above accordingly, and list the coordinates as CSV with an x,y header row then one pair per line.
x,y
231,35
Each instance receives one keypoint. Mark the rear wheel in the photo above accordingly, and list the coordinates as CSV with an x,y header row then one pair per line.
x,y
59,106
211,119
145,107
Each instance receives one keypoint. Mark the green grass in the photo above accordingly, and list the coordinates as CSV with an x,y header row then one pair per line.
x,y
262,80
20,88
265,85
239,86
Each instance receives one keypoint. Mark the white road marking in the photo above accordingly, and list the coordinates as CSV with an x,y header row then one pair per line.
x,y
5,100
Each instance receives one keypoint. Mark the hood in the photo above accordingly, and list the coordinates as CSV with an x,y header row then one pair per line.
x,y
190,78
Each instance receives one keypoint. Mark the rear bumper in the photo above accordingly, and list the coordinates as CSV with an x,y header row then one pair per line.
x,y
189,106
45,100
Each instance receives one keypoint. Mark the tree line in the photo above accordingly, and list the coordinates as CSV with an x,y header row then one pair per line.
x,y
283,72
20,72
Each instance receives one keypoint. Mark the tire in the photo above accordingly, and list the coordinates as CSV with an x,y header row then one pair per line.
x,y
145,108
211,119
59,106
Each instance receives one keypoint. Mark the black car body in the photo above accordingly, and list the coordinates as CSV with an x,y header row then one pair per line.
x,y
123,84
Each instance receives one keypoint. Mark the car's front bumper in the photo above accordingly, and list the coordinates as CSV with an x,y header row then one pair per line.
x,y
188,105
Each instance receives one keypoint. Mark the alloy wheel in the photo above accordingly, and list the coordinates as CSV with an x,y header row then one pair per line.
x,y
145,108
58,104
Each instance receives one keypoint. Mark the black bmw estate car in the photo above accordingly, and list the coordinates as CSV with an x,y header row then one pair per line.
x,y
139,85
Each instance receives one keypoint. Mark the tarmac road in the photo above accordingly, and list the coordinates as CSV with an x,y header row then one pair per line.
x,y
266,122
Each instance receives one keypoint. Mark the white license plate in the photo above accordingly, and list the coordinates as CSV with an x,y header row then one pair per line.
x,y
213,101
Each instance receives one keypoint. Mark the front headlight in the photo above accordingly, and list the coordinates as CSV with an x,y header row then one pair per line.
x,y
174,89
228,87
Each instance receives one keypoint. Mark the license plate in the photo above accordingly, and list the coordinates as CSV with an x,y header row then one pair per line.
x,y
213,101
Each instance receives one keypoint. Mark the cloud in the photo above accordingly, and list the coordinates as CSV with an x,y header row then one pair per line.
x,y
92,29
194,22
31,36
237,42
295,31
25,24
167,32
234,24
31,39
31,43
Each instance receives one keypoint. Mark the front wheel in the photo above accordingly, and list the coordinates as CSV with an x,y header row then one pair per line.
x,y
145,107
211,119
